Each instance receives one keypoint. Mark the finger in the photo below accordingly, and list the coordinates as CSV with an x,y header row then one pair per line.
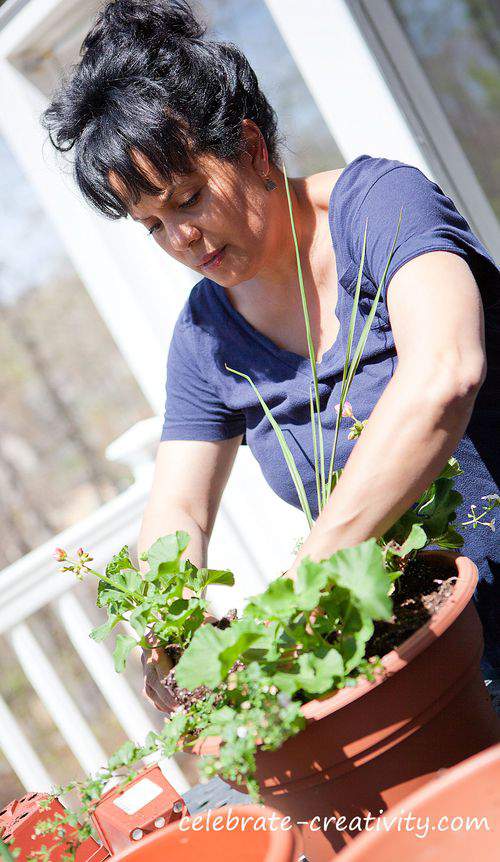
x,y
153,696
162,661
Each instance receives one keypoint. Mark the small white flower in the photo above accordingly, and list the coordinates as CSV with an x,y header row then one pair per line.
x,y
242,732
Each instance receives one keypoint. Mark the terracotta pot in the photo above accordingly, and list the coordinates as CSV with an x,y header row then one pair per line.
x,y
443,827
367,747
248,836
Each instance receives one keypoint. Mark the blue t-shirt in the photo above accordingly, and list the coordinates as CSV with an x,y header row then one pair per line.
x,y
207,402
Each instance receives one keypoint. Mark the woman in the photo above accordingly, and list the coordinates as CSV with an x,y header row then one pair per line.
x,y
174,131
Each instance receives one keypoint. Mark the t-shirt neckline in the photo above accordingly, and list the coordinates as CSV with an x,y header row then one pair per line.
x,y
289,357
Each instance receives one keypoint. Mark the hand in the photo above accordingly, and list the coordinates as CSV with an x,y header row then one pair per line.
x,y
156,665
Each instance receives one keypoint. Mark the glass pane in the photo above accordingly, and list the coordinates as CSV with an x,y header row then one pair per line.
x,y
309,146
458,45
66,391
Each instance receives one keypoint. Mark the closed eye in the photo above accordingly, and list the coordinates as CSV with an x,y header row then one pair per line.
x,y
189,203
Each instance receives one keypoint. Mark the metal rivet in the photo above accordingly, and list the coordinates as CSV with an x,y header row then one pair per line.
x,y
159,822
137,834
177,808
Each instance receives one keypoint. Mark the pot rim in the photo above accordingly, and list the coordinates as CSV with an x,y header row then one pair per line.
x,y
395,660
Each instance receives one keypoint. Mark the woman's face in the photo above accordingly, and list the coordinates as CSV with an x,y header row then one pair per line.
x,y
219,208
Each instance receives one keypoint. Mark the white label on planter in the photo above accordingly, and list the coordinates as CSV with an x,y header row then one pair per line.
x,y
138,796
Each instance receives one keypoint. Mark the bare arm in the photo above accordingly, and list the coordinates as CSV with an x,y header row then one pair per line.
x,y
437,321
189,479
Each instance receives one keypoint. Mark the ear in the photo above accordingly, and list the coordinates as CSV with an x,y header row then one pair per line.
x,y
255,147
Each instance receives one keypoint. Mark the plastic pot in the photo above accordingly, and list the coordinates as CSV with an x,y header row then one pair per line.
x,y
237,835
443,826
367,747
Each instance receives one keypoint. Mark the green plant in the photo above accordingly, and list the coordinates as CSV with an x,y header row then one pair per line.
x,y
324,484
156,602
246,682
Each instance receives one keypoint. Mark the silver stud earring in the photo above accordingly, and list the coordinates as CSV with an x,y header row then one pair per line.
x,y
270,184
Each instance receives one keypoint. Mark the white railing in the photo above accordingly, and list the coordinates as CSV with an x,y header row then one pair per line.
x,y
35,582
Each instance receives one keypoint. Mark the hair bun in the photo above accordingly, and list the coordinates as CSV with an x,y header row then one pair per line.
x,y
147,21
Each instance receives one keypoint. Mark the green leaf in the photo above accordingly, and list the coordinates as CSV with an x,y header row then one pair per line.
x,y
319,462
450,540
206,577
311,580
290,461
166,552
314,674
121,560
451,470
200,663
278,600
317,674
6,853
101,632
114,599
140,618
415,541
242,639
130,579
178,607
356,632
361,571
124,645
211,654
123,756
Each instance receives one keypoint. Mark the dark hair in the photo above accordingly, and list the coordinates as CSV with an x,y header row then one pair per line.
x,y
147,80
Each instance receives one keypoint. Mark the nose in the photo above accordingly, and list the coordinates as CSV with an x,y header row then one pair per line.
x,y
181,236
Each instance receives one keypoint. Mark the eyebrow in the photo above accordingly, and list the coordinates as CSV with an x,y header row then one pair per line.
x,y
161,196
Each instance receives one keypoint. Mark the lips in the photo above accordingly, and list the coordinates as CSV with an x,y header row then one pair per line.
x,y
214,258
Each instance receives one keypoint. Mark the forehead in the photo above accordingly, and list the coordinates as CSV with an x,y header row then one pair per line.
x,y
204,166
155,178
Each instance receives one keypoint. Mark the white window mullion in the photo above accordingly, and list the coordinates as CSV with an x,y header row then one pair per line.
x,y
345,80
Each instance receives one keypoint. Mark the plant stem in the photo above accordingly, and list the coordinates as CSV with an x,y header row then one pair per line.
x,y
297,481
315,448
310,345
137,596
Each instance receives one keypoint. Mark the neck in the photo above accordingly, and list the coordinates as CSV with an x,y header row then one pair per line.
x,y
278,275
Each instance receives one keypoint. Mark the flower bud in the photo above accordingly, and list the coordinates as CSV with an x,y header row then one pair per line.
x,y
60,555
346,410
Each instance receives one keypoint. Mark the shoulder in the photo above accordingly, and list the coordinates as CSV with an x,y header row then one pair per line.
x,y
369,178
200,305
201,324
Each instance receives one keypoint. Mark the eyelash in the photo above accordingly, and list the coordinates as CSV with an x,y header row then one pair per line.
x,y
189,203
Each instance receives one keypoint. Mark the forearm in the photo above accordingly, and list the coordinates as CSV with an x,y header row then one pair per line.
x,y
159,522
413,430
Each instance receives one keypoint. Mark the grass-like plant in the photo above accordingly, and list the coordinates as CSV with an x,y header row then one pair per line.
x,y
325,482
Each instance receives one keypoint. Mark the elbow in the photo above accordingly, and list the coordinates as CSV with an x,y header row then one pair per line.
x,y
456,381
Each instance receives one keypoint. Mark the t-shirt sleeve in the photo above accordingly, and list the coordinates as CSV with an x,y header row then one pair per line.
x,y
193,408
429,222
